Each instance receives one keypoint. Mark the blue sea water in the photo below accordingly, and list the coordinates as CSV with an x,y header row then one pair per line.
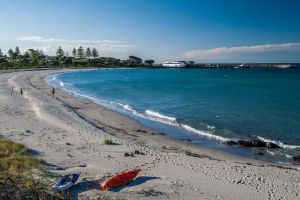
x,y
208,106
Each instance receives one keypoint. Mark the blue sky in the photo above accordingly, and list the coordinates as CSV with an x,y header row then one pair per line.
x,y
204,31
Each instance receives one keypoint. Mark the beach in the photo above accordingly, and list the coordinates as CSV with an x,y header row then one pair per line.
x,y
68,133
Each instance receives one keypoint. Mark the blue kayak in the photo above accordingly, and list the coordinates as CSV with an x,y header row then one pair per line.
x,y
66,182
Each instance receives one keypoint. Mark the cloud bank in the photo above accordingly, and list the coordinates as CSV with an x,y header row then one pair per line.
x,y
49,45
223,52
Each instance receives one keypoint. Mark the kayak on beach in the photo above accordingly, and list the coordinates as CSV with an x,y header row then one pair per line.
x,y
120,179
66,182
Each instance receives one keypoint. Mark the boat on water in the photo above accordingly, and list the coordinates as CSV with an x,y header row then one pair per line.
x,y
178,63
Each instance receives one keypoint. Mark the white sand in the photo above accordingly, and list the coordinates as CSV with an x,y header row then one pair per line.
x,y
167,172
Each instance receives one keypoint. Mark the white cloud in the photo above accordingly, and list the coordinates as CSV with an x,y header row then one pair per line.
x,y
58,40
50,45
224,52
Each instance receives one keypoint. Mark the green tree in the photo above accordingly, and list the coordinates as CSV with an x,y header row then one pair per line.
x,y
34,56
133,60
60,52
26,55
68,61
74,53
17,51
11,54
88,52
1,54
149,62
95,53
80,52
41,54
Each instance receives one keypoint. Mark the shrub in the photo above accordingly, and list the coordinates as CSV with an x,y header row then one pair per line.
x,y
107,141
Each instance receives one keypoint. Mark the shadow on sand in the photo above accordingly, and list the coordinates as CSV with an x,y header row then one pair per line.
x,y
138,181
84,186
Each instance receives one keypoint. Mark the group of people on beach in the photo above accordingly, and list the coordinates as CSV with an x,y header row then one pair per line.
x,y
21,91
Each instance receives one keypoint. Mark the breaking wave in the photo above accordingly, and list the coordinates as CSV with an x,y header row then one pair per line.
x,y
279,143
160,116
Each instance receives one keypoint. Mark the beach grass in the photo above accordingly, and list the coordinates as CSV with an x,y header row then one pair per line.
x,y
20,173
107,141
14,158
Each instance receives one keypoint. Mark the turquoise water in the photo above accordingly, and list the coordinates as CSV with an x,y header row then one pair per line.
x,y
205,105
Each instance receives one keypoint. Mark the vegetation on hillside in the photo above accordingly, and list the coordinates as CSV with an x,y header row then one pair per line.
x,y
19,174
34,58
15,159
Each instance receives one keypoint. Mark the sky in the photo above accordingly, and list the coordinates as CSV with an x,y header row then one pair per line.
x,y
215,31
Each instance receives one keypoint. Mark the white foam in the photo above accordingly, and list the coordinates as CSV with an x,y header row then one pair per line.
x,y
159,115
129,108
288,156
61,84
52,79
270,152
204,133
210,127
279,143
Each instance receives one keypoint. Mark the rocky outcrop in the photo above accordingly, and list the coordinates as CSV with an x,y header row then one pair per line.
x,y
296,158
254,143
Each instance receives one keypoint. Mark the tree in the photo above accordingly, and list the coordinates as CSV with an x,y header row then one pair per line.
x,y
11,54
26,58
80,52
133,60
67,54
34,55
60,52
68,61
88,52
41,53
95,53
74,53
17,51
1,54
149,62
26,55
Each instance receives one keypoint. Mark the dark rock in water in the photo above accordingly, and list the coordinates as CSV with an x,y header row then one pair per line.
x,y
231,143
253,143
258,143
272,145
296,158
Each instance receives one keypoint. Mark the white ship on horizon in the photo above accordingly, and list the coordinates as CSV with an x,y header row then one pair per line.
x,y
178,63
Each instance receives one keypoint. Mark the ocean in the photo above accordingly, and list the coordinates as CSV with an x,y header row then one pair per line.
x,y
206,106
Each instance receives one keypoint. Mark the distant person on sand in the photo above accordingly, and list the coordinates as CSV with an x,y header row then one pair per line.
x,y
12,91
21,91
53,91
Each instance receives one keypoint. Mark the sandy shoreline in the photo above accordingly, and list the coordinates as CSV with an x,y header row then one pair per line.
x,y
68,133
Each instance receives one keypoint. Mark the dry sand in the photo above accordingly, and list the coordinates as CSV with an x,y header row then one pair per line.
x,y
68,133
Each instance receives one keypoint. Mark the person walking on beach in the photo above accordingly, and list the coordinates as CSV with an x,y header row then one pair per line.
x,y
12,91
53,91
21,91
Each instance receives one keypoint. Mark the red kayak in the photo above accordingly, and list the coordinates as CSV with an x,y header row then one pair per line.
x,y
120,179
